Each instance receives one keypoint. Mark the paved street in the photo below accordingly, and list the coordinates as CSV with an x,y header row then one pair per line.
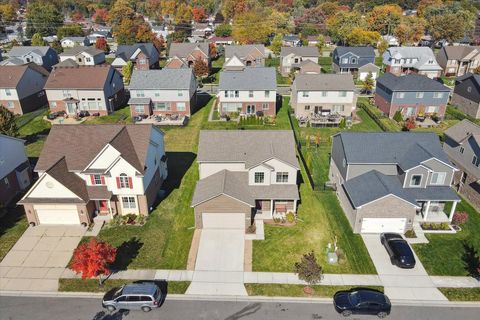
x,y
20,308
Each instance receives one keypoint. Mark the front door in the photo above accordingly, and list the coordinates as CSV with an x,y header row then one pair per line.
x,y
103,206
318,109
250,109
70,108
410,111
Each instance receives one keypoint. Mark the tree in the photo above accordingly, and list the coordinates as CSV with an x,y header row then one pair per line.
x,y
251,27
183,14
43,18
213,49
382,46
77,16
281,22
341,25
7,12
384,19
144,33
410,30
368,83
329,8
8,125
450,27
312,21
361,37
177,36
57,46
70,30
231,8
223,30
37,40
100,16
477,70
200,67
160,43
199,14
120,11
127,70
92,259
276,44
308,269
101,44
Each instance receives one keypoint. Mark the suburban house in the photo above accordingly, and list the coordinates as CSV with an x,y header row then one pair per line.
x,y
250,91
83,56
313,40
249,55
462,145
21,87
221,41
291,58
413,95
183,55
143,55
166,91
291,40
309,67
356,60
466,94
43,56
244,176
319,96
105,171
96,89
387,181
407,60
458,60
70,42
15,171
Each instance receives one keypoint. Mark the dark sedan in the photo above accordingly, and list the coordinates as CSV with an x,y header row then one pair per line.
x,y
362,301
398,249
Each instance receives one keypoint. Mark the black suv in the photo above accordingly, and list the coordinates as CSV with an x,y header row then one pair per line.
x,y
398,249
362,301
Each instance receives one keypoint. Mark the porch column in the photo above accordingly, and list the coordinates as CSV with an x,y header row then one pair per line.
x,y
271,208
425,215
110,208
452,211
295,206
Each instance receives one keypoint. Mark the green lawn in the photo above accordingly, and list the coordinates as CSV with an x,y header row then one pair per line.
x,y
91,285
296,290
12,225
275,62
453,254
217,66
118,116
326,64
379,61
461,294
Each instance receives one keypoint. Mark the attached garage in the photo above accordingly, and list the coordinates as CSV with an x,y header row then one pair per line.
x,y
57,214
223,221
379,225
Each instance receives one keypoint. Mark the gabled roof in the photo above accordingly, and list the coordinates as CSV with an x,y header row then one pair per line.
x,y
423,54
67,63
358,51
463,130
324,82
243,51
76,50
299,51
291,37
251,147
162,79
80,77
60,172
475,78
410,82
249,79
183,50
85,142
21,50
75,39
7,167
127,51
10,75
459,52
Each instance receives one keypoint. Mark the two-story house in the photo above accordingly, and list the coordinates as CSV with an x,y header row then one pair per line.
x,y
96,170
143,55
166,91
43,56
412,95
323,95
183,55
15,171
251,91
466,94
244,175
387,181
83,56
21,87
462,145
96,89
360,61
291,40
458,60
248,55
291,58
407,60
71,42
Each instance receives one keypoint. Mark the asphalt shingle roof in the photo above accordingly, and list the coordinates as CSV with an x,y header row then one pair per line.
x,y
127,51
359,51
76,50
299,51
162,79
242,50
463,130
22,50
249,79
325,82
411,82
183,50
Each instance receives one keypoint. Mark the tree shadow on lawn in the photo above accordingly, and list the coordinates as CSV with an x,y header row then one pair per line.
x,y
203,98
178,165
126,252
470,259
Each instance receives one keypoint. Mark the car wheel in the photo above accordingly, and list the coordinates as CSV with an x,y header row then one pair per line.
x,y
111,308
346,313
381,315
146,309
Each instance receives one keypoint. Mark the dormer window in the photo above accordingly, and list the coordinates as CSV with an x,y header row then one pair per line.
x,y
438,178
259,177
476,161
354,60
97,179
416,180
282,177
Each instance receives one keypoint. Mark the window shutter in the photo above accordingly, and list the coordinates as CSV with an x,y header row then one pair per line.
x,y
92,179
103,179
130,182
118,182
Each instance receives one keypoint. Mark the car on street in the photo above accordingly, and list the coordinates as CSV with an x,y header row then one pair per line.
x,y
398,249
143,296
362,301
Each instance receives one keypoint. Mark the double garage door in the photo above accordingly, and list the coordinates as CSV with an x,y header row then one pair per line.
x,y
57,214
223,221
379,225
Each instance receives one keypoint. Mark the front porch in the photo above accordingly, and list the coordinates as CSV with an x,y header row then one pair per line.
x,y
269,209
436,211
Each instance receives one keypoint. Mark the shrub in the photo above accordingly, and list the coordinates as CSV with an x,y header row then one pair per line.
x,y
460,218
409,124
252,228
398,116
290,217
343,124
435,226
410,234
308,269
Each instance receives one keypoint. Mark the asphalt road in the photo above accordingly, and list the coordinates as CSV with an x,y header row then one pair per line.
x,y
30,308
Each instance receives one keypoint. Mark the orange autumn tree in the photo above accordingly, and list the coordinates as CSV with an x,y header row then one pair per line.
x,y
199,14
92,259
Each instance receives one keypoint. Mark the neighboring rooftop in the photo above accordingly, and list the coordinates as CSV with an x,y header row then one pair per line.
x,y
11,75
126,51
463,130
76,50
260,78
425,56
359,51
80,77
410,82
183,50
324,82
243,50
23,50
162,79
460,52
299,51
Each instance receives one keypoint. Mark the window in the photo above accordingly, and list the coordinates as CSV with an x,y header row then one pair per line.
x,y
354,60
307,107
10,104
157,94
7,183
345,60
66,93
305,94
324,93
438,178
133,298
282,177
475,161
53,104
342,94
123,181
400,95
181,106
8,92
237,94
431,109
469,89
145,298
250,94
416,180
338,108
462,149
140,94
142,61
265,106
129,202
259,177
139,109
438,95
419,95
267,93
88,59
180,93
226,94
97,179
159,106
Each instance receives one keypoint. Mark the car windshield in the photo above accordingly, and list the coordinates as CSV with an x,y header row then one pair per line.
x,y
401,248
118,293
354,298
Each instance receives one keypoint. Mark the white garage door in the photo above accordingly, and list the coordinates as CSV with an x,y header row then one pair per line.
x,y
57,214
377,225
223,220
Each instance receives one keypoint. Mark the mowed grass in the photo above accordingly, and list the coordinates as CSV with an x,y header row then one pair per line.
x,y
296,290
453,254
91,285
118,116
12,225
461,294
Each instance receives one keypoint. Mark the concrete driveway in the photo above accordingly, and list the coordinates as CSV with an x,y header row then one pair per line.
x,y
39,258
401,284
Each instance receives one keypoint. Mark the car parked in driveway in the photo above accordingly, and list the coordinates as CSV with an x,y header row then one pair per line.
x,y
398,249
143,296
362,301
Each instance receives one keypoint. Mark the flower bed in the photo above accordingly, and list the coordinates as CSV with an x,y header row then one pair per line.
x,y
435,226
128,219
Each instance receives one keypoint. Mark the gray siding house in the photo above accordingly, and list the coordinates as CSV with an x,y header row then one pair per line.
x,y
350,59
386,182
466,94
291,58
462,145
43,56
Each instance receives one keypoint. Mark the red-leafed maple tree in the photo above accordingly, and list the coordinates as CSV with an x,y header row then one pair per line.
x,y
92,259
